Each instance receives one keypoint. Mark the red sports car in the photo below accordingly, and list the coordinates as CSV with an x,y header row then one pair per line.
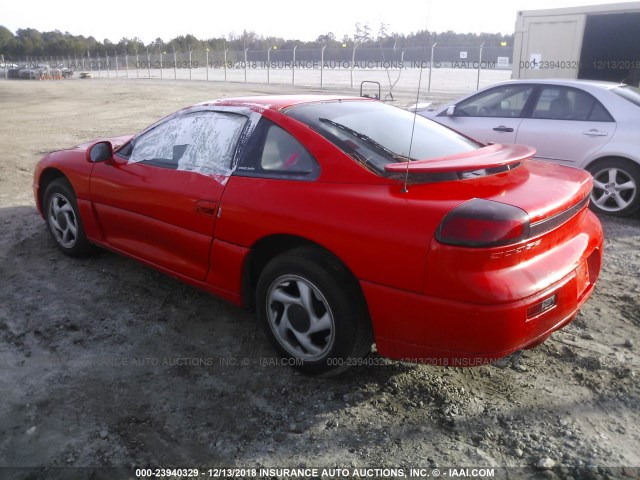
x,y
343,222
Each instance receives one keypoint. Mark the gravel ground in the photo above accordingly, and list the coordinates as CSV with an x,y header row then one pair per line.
x,y
107,363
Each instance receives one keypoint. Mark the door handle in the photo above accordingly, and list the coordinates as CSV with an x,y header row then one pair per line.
x,y
502,128
595,133
206,207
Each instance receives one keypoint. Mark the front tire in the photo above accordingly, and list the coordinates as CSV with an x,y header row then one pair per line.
x,y
63,219
313,312
616,187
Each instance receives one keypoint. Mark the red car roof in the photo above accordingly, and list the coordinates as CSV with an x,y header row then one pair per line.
x,y
277,102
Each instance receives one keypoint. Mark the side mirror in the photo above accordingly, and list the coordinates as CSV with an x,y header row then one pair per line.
x,y
99,152
451,111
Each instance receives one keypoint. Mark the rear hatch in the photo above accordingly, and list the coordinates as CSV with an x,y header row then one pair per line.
x,y
505,174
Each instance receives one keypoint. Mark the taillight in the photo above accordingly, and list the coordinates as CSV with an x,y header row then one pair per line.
x,y
484,223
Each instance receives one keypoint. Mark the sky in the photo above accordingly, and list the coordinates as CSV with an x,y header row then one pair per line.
x,y
300,20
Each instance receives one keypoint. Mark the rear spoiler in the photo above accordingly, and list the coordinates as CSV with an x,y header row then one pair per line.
x,y
491,156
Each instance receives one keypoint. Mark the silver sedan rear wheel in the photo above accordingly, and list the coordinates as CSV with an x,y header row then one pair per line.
x,y
616,184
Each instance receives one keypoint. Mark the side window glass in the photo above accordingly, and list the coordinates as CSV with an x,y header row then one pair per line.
x,y
272,152
600,114
156,146
556,103
200,142
562,103
508,101
125,150
283,153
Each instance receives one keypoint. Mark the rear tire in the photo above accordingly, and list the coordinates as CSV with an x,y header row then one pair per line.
x,y
63,219
313,312
616,187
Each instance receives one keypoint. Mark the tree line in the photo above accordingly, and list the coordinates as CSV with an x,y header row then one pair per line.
x,y
31,42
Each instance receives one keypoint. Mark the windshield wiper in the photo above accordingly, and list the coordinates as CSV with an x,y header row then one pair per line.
x,y
365,138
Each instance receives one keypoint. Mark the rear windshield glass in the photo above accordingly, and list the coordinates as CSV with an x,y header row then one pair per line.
x,y
628,92
376,134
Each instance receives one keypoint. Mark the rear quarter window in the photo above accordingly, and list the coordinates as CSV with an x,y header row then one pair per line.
x,y
274,153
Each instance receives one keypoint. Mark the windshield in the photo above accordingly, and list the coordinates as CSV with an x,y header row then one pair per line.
x,y
375,134
629,93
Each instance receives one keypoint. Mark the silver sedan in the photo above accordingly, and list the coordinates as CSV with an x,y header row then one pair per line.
x,y
586,124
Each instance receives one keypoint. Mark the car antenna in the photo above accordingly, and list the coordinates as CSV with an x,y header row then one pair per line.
x,y
405,188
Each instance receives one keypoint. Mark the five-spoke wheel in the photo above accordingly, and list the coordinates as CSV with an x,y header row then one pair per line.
x,y
62,220
616,186
300,317
61,213
312,311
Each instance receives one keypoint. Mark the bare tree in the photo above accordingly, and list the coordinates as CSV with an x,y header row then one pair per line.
x,y
382,31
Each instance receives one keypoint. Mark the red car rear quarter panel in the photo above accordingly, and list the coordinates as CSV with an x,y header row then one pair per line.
x,y
373,229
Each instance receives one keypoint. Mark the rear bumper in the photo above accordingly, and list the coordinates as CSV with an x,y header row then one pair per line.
x,y
425,329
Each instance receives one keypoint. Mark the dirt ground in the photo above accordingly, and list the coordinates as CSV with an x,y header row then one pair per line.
x,y
107,363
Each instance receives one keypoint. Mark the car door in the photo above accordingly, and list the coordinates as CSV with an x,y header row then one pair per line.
x,y
567,125
157,199
492,116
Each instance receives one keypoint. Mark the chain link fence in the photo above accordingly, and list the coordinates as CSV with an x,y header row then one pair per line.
x,y
436,68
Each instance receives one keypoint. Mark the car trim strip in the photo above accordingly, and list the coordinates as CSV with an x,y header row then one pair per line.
x,y
550,223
